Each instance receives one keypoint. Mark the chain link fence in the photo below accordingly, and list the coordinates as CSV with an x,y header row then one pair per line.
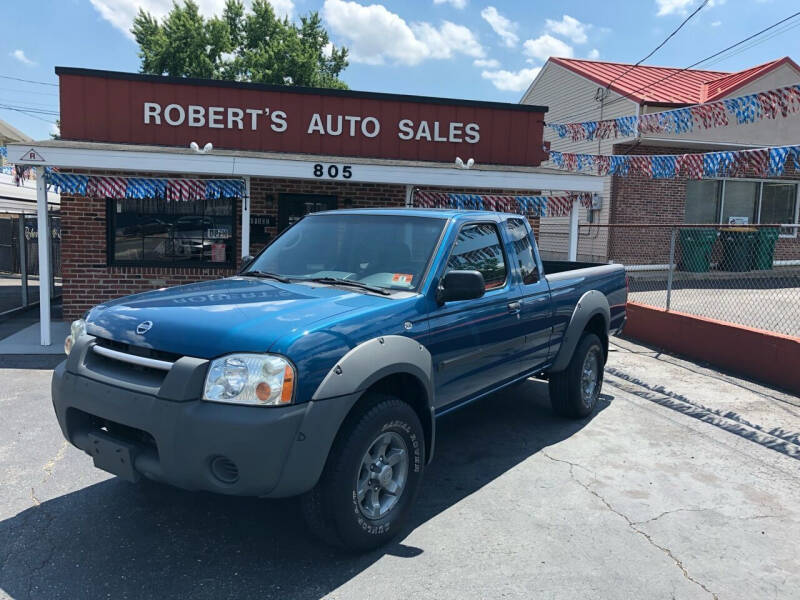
x,y
743,274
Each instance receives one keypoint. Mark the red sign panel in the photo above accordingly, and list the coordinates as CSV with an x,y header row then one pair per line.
x,y
124,108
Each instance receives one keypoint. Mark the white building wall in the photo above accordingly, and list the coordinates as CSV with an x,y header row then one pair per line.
x,y
571,98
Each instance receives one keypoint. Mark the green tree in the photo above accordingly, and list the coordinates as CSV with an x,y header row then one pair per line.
x,y
239,45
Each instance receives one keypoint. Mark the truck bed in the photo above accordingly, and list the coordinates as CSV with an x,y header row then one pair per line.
x,y
570,280
559,266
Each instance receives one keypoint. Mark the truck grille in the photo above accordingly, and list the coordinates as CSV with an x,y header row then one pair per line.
x,y
137,350
129,364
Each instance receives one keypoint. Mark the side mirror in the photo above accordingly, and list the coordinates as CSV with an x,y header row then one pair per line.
x,y
246,260
461,285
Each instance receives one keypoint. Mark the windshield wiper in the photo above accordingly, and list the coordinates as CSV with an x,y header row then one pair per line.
x,y
267,275
340,281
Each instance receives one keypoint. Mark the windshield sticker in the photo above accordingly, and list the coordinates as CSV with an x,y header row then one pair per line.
x,y
403,278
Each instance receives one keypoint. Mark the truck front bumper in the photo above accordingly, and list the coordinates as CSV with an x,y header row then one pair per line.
x,y
197,445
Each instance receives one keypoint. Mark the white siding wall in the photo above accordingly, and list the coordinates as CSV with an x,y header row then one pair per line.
x,y
570,98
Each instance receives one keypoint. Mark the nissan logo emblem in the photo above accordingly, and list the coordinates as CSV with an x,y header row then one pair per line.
x,y
144,327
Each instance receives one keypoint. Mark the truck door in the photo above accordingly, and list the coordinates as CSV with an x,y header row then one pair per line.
x,y
475,343
536,311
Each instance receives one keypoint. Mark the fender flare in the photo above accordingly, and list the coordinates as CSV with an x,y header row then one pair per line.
x,y
375,359
590,304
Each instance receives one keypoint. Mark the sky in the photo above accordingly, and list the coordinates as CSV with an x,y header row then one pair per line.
x,y
477,49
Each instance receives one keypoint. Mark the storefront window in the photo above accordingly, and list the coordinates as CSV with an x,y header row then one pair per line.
x,y
778,203
172,233
759,202
702,201
740,202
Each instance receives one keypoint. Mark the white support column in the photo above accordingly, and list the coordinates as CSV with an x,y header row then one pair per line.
x,y
23,260
246,218
44,257
409,196
573,230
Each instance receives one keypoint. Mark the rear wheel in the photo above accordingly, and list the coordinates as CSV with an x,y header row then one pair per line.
x,y
371,477
575,390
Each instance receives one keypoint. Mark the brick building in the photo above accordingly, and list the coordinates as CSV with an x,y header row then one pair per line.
x,y
583,90
293,150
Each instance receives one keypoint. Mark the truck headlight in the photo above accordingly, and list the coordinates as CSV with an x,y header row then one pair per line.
x,y
76,330
254,379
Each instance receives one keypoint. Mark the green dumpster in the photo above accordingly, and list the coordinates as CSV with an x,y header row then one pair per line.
x,y
696,247
738,244
764,247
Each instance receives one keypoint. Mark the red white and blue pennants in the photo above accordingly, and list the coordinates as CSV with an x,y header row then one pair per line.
x,y
533,206
771,104
760,162
96,186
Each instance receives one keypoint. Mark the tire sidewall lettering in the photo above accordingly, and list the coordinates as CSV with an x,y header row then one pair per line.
x,y
384,527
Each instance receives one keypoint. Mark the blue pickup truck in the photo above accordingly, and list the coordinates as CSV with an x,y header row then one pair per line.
x,y
320,370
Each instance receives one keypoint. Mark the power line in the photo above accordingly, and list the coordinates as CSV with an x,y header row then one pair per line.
x,y
53,104
32,109
27,80
661,45
572,118
755,43
29,91
26,113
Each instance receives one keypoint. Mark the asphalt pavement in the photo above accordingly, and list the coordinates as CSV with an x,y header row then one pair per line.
x,y
684,484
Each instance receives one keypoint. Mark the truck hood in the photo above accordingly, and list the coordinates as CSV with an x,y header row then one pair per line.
x,y
212,318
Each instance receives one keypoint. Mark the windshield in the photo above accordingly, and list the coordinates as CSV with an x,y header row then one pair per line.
x,y
387,251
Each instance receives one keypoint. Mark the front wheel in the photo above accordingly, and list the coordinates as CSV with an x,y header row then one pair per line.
x,y
575,390
371,477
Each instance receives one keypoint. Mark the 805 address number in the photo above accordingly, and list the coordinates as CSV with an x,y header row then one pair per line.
x,y
333,171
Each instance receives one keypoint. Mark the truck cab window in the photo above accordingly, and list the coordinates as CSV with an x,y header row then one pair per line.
x,y
478,248
523,247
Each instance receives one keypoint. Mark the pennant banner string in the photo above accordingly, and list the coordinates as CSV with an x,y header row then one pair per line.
x,y
533,206
750,108
759,162
97,186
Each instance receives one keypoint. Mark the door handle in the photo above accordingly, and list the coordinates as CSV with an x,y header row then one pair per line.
x,y
514,307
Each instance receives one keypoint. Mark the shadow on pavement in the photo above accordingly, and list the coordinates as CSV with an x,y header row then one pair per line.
x,y
117,540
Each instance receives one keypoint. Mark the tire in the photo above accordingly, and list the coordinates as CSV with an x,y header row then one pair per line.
x,y
334,510
571,395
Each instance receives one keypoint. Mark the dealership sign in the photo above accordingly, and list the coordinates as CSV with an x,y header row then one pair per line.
x,y
125,108
221,117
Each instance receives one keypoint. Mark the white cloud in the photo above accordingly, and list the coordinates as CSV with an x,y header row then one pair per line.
x,y
283,8
120,13
511,81
569,27
594,54
20,56
456,3
448,39
546,46
716,23
55,129
502,26
486,63
681,7
376,35
669,7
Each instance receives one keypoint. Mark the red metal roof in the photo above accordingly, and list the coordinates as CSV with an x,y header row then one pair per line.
x,y
666,85
719,88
